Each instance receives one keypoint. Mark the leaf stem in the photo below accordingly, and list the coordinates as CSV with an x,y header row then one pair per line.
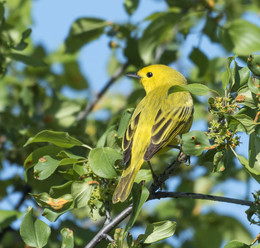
x,y
87,146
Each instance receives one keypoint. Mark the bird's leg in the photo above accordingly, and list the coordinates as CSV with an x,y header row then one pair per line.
x,y
183,158
153,174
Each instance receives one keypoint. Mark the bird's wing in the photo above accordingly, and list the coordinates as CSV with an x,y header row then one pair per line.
x,y
170,121
129,134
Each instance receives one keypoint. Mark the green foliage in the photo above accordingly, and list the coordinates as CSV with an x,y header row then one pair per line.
x,y
34,232
72,165
67,238
159,231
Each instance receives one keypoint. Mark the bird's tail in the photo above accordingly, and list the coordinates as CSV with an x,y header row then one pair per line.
x,y
125,184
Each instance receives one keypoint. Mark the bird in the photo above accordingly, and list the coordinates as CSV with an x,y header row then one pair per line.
x,y
155,123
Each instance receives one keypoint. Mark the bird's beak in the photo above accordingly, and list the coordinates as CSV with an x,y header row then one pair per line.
x,y
132,75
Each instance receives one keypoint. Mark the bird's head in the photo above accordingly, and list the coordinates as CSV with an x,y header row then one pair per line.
x,y
154,76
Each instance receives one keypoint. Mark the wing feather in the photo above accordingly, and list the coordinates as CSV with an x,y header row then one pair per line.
x,y
128,137
168,124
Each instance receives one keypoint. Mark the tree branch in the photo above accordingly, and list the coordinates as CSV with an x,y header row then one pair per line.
x,y
160,194
90,106
106,229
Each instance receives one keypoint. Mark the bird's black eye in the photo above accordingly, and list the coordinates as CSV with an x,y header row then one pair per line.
x,y
149,74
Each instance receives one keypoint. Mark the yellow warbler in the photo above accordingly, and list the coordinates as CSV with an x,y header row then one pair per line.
x,y
155,123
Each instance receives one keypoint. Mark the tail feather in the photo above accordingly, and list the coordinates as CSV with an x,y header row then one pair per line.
x,y
125,184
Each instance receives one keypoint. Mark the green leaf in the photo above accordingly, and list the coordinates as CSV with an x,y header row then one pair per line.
x,y
218,161
246,121
159,231
200,60
54,207
246,98
125,118
27,59
254,151
240,76
102,140
7,217
81,192
34,157
131,6
156,33
194,142
45,167
102,160
254,172
34,232
67,238
225,77
61,139
240,37
60,190
236,244
83,31
52,215
140,195
253,85
80,169
195,89
144,175
253,63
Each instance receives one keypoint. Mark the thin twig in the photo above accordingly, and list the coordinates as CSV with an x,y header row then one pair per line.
x,y
90,106
106,229
160,194
107,237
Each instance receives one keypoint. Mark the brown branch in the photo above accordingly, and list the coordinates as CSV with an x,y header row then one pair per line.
x,y
106,229
160,194
118,73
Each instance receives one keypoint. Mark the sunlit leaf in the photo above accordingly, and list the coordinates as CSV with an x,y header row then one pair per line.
x,y
240,37
102,160
45,167
61,139
125,118
81,192
34,232
196,89
236,244
67,238
253,63
159,231
194,142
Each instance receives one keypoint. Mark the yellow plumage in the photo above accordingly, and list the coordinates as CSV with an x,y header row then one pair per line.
x,y
155,123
